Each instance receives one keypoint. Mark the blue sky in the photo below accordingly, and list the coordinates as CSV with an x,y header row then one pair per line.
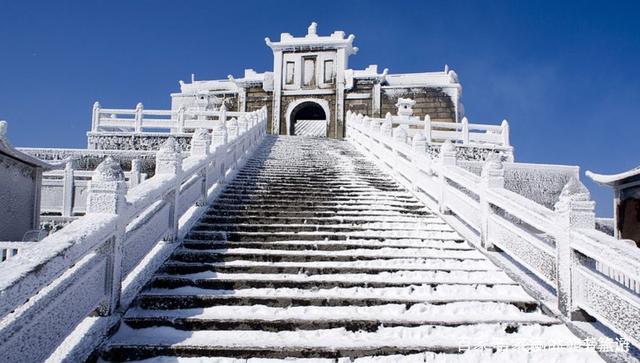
x,y
565,74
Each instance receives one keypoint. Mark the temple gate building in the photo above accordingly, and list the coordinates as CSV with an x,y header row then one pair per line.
x,y
311,87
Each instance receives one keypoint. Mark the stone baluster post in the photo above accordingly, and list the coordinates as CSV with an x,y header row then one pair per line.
x,y
427,128
400,134
505,133
446,158
232,128
223,113
387,126
200,145
67,189
139,117
574,209
169,163
95,117
242,125
180,119
219,135
465,131
107,195
419,147
136,173
492,177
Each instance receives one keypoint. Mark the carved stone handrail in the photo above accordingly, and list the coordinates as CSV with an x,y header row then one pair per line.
x,y
89,272
590,271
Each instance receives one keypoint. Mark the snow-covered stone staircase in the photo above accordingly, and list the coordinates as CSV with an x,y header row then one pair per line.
x,y
313,252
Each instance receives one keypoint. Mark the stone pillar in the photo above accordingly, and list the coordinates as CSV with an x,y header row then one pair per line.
x,y
136,170
169,162
492,177
95,116
400,134
446,158
139,117
67,190
107,189
243,125
200,143
419,143
220,136
387,126
574,209
107,194
232,129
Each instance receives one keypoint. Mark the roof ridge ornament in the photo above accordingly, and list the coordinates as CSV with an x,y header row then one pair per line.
x,y
312,30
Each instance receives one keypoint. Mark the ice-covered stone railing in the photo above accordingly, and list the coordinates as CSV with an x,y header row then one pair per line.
x,y
140,119
63,296
463,133
587,270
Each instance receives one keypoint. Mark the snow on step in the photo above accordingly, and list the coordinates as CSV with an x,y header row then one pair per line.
x,y
408,277
358,252
452,313
441,338
409,294
416,243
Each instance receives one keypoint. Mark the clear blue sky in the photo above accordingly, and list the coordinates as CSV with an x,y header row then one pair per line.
x,y
565,74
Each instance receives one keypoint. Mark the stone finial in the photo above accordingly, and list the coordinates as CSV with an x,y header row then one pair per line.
x,y
200,142
232,128
575,207
108,170
575,190
243,124
312,30
448,153
419,142
386,128
400,134
219,134
405,106
107,189
139,106
493,171
169,157
96,105
3,129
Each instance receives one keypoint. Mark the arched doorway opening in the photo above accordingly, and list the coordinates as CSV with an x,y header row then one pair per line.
x,y
308,118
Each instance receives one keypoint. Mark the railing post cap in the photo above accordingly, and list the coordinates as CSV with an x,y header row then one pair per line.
x,y
139,106
574,190
108,170
200,134
447,147
169,147
3,129
96,104
504,123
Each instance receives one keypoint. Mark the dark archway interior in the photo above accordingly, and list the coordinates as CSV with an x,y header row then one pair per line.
x,y
306,111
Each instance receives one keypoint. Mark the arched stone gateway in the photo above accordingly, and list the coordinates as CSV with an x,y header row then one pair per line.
x,y
308,117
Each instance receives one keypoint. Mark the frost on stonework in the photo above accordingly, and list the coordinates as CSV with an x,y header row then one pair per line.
x,y
108,171
169,147
201,135
575,190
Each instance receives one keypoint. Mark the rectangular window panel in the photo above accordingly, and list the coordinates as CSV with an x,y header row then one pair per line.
x,y
328,71
289,72
309,72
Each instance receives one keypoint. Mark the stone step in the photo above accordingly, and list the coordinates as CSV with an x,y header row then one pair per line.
x,y
380,227
372,266
234,281
253,254
369,318
320,207
312,198
234,236
326,343
350,221
197,297
261,212
297,245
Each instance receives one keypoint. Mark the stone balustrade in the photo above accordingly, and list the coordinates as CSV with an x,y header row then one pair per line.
x,y
589,274
76,283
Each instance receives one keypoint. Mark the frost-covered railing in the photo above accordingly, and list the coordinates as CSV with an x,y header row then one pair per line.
x,y
140,119
463,132
10,249
65,191
83,277
590,271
